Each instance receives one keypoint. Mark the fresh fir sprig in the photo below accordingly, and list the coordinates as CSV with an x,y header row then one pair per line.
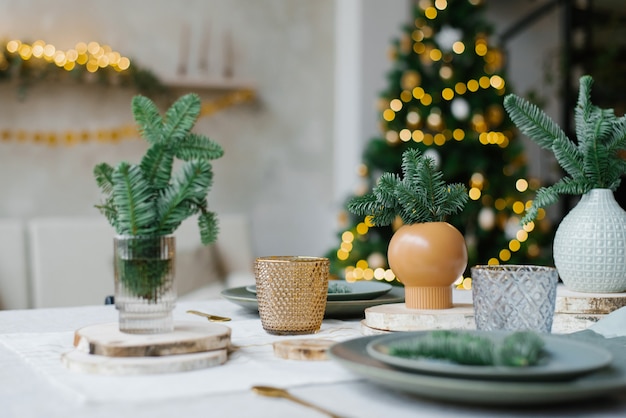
x,y
146,198
520,349
334,287
420,196
595,161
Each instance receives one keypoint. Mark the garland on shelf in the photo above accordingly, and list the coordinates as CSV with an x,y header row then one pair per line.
x,y
123,132
27,64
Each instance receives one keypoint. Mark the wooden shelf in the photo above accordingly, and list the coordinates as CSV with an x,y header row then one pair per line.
x,y
206,83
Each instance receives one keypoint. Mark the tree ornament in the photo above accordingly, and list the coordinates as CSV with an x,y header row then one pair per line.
x,y
486,219
410,80
511,227
460,108
494,115
446,72
376,260
447,36
405,44
434,155
413,118
434,120
361,188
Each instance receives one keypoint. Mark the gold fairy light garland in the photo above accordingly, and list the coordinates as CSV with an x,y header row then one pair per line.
x,y
92,55
87,57
119,133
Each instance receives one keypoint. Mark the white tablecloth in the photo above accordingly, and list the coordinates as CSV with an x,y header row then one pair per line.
x,y
34,383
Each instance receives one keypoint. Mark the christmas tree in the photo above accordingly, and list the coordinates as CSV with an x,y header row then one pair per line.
x,y
445,97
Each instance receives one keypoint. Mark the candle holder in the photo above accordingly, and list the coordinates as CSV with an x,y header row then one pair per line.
x,y
291,293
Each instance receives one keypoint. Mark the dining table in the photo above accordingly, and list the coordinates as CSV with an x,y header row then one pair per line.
x,y
34,383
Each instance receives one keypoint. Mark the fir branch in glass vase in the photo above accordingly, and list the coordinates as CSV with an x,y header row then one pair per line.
x,y
148,199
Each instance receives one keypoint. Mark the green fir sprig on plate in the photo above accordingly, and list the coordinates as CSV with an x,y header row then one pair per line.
x,y
596,160
519,349
334,287
421,195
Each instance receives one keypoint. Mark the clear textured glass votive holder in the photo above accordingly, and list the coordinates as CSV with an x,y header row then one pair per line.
x,y
145,295
514,297
291,292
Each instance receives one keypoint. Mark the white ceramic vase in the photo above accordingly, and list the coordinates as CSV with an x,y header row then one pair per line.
x,y
590,245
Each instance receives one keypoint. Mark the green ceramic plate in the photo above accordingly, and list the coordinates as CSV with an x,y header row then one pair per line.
x,y
563,359
361,290
334,308
609,380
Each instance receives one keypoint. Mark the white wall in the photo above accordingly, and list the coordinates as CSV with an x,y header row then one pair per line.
x,y
277,166
365,29
533,54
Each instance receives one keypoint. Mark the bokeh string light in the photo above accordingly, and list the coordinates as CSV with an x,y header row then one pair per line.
x,y
90,57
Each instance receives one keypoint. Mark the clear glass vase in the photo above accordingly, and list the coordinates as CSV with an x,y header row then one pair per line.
x,y
145,295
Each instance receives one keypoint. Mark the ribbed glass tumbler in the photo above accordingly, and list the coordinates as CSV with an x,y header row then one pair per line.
x,y
291,292
145,295
514,297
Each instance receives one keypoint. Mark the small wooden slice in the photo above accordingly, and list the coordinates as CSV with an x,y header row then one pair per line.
x,y
187,337
90,363
303,349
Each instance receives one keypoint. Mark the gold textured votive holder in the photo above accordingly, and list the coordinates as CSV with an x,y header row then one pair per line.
x,y
291,293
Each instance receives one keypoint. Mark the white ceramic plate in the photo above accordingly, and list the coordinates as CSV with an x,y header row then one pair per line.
x,y
361,290
562,359
610,380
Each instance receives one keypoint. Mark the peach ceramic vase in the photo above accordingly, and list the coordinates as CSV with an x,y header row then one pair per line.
x,y
427,258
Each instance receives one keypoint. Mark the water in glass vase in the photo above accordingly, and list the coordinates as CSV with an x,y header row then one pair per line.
x,y
145,295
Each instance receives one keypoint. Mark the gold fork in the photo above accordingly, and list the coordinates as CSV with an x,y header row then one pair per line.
x,y
212,318
275,392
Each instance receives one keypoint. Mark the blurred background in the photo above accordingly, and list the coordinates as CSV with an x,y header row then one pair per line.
x,y
290,89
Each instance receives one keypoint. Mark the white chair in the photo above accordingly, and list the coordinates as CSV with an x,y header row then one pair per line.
x,y
203,272
13,274
71,261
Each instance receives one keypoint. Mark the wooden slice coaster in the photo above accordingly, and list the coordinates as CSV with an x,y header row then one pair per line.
x,y
571,302
397,317
187,337
89,363
565,323
303,349
367,330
